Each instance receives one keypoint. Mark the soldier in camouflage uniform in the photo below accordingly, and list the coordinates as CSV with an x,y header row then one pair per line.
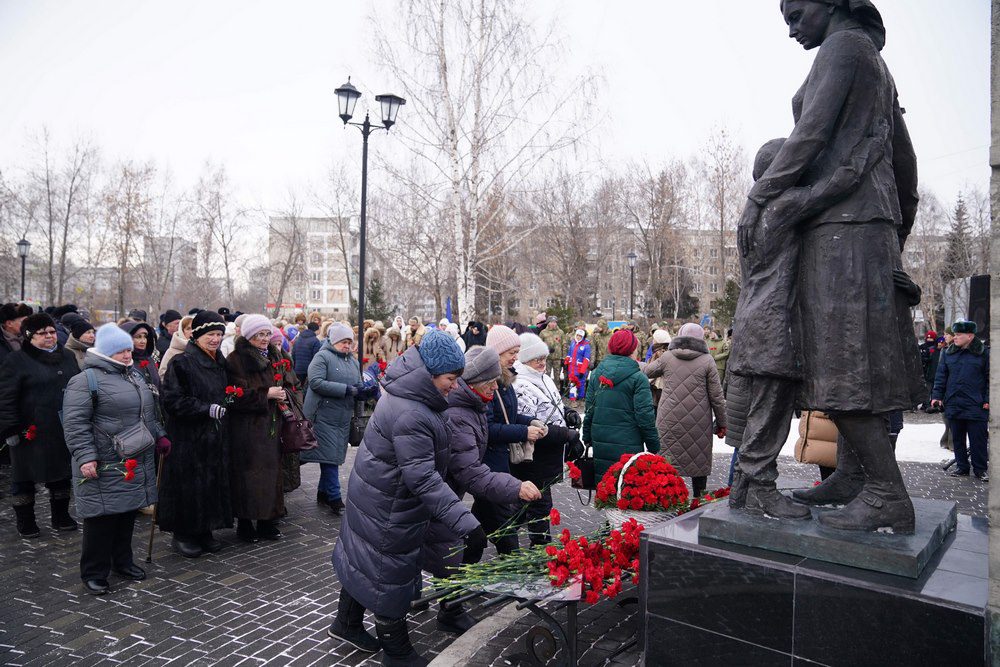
x,y
599,342
556,340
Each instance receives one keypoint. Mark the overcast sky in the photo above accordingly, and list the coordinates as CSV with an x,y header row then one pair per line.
x,y
250,84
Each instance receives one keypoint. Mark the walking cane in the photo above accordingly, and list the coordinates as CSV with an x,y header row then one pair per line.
x,y
156,507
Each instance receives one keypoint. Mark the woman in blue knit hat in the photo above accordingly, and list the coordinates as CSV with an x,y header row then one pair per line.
x,y
396,488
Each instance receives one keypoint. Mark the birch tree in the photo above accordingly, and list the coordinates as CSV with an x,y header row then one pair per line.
x,y
483,110
223,225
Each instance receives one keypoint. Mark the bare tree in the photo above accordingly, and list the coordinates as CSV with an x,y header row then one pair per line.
x,y
487,111
223,225
924,257
286,251
723,170
339,200
127,204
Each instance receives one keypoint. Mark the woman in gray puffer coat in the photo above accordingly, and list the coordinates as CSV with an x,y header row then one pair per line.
x,y
396,489
691,394
468,430
109,489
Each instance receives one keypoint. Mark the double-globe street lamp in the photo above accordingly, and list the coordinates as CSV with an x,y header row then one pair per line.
x,y
347,97
631,283
22,251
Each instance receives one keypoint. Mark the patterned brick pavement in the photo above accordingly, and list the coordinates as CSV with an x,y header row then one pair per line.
x,y
270,603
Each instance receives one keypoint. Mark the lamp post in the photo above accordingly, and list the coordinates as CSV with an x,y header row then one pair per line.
x,y
631,283
22,251
347,97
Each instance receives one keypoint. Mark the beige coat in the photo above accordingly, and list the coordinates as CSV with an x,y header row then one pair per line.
x,y
691,395
177,345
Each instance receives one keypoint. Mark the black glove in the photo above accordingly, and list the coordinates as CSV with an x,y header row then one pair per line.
x,y
475,545
352,390
574,446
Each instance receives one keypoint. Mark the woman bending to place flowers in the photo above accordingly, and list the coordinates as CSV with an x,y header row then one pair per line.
x,y
110,489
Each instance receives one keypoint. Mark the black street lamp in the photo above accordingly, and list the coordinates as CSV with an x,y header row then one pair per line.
x,y
22,251
347,97
631,283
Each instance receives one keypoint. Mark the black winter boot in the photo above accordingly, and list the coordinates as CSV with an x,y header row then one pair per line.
x,y
766,500
883,503
349,625
26,525
454,619
61,520
397,651
245,530
842,486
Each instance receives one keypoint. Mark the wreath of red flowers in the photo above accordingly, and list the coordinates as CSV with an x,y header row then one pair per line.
x,y
651,484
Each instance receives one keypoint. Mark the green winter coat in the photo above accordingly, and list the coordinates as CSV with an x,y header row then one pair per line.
x,y
620,419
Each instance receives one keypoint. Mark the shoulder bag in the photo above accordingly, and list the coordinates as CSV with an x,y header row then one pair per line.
x,y
297,433
132,440
520,452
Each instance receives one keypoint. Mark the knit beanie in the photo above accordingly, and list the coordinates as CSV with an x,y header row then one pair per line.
x,y
253,325
661,337
691,330
338,332
80,327
137,314
440,353
623,342
240,319
205,322
35,323
930,335
112,339
170,316
532,347
502,338
482,364
541,318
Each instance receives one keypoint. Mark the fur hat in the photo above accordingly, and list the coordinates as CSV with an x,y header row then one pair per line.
x,y
206,321
482,364
338,332
532,347
965,327
393,332
112,339
502,338
253,325
623,342
440,353
12,311
136,314
36,322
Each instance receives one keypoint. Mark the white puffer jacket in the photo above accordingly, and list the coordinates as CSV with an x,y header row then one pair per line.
x,y
538,396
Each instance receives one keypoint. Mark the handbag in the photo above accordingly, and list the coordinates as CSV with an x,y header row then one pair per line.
x,y
357,434
572,418
297,433
520,452
132,440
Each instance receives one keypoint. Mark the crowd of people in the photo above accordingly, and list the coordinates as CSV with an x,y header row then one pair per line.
x,y
185,420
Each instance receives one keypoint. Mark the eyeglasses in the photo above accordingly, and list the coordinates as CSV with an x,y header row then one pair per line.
x,y
47,332
261,335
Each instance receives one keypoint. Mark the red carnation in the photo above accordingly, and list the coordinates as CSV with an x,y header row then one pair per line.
x,y
129,475
277,377
592,597
130,464
31,433
606,382
574,471
554,517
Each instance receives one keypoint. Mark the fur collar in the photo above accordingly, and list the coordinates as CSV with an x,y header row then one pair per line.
x,y
976,347
688,343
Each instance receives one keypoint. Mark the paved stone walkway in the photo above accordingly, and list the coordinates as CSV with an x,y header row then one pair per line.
x,y
270,603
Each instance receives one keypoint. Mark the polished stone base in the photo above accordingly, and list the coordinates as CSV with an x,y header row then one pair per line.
x,y
905,555
706,602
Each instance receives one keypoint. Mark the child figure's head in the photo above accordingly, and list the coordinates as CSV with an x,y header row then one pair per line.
x,y
765,156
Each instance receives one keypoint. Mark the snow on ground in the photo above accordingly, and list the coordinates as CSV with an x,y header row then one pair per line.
x,y
917,442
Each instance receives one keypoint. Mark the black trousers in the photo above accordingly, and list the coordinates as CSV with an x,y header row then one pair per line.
x,y
536,518
107,541
492,516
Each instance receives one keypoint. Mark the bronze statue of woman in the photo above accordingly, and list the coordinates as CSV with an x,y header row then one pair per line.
x,y
855,351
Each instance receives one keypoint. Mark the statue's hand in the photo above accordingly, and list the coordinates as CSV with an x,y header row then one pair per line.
x,y
902,281
747,226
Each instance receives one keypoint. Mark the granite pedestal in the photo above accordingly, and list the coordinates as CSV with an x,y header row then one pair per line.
x,y
707,602
905,555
